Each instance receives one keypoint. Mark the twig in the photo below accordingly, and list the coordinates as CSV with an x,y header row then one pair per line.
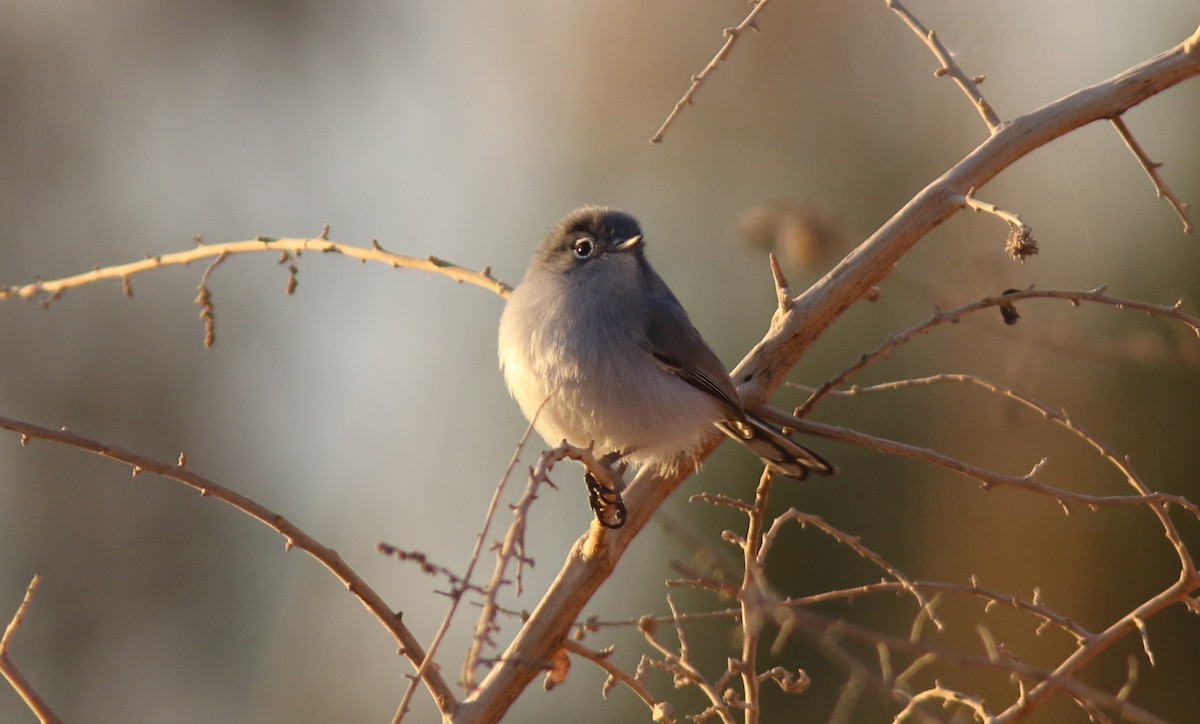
x,y
1151,167
9,669
680,665
991,598
946,696
54,288
753,579
1158,502
1097,296
603,659
512,548
293,536
986,478
457,590
968,84
823,632
852,542
1021,243
731,37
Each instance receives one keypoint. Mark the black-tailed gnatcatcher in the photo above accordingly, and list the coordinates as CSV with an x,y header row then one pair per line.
x,y
595,348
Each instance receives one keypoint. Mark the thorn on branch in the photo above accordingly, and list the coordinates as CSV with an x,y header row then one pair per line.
x,y
782,292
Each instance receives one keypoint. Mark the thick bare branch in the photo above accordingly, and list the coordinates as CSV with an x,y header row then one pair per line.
x,y
594,556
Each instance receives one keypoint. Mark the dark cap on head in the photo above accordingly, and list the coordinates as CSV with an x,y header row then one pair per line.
x,y
600,229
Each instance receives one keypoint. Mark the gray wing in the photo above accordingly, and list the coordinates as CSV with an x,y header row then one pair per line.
x,y
680,350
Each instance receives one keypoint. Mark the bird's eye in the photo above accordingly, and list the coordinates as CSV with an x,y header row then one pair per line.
x,y
583,247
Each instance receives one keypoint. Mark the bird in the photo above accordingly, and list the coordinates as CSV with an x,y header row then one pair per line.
x,y
597,351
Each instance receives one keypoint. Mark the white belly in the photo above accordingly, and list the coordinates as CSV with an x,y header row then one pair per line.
x,y
611,392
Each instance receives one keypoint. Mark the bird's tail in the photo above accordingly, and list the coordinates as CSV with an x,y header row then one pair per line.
x,y
777,451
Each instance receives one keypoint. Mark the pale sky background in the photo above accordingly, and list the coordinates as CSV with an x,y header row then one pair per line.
x,y
368,406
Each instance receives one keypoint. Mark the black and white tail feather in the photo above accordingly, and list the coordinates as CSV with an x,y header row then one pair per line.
x,y
779,452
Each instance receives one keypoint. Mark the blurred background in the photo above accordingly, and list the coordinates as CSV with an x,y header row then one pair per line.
x,y
368,407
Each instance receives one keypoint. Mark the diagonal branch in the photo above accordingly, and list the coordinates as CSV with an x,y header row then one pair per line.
x,y
764,368
731,37
968,84
9,670
1151,168
595,555
292,534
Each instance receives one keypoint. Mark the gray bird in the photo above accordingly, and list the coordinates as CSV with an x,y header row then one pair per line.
x,y
595,348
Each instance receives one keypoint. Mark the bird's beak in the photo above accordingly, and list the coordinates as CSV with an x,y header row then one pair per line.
x,y
630,244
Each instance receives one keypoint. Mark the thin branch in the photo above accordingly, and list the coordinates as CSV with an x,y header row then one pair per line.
x,y
1063,677
54,289
1038,610
968,84
986,478
1157,502
753,578
852,542
731,37
680,665
293,536
1021,243
512,548
1151,167
603,659
953,316
946,697
823,632
457,590
9,669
